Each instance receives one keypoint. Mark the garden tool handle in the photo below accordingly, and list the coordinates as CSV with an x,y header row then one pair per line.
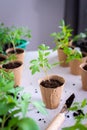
x,y
56,122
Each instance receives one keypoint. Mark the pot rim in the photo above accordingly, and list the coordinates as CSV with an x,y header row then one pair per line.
x,y
21,64
10,49
52,76
82,65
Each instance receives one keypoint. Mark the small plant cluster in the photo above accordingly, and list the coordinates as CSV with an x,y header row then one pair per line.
x,y
14,105
12,35
42,60
62,38
79,115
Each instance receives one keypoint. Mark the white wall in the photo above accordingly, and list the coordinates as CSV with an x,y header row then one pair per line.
x,y
40,16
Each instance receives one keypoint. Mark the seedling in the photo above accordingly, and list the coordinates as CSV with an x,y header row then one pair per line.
x,y
3,36
14,105
16,34
72,54
42,60
12,35
76,108
62,38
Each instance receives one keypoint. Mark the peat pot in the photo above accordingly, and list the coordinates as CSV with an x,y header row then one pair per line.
x,y
52,90
16,67
62,58
83,68
75,65
19,53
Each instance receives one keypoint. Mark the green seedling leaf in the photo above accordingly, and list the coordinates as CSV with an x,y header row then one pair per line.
x,y
84,103
40,107
25,103
62,38
75,127
42,60
27,124
43,47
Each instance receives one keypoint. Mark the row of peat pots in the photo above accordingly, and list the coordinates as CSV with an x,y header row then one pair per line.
x,y
13,61
77,67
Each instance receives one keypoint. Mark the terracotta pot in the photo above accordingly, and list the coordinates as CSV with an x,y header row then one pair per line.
x,y
75,66
19,56
84,76
16,70
62,58
51,96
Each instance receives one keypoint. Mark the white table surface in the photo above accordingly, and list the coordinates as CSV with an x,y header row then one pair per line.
x,y
30,83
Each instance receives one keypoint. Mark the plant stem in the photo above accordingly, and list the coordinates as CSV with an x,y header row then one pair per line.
x,y
3,122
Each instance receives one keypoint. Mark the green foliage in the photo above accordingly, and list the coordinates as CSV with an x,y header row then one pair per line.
x,y
79,36
78,119
72,54
9,58
11,107
39,105
62,38
42,60
12,35
15,34
23,124
76,127
3,36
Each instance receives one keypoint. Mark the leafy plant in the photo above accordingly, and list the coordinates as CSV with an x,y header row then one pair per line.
x,y
72,53
12,35
16,34
42,60
79,36
79,118
14,107
3,36
62,38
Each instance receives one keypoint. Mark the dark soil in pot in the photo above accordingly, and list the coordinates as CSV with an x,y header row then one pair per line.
x,y
51,83
18,51
85,67
2,58
12,65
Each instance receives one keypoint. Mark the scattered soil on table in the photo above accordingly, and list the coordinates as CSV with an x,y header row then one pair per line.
x,y
78,112
18,51
12,65
51,83
85,67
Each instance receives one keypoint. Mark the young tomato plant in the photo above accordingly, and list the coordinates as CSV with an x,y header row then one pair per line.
x,y
14,104
16,34
42,60
62,38
79,115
